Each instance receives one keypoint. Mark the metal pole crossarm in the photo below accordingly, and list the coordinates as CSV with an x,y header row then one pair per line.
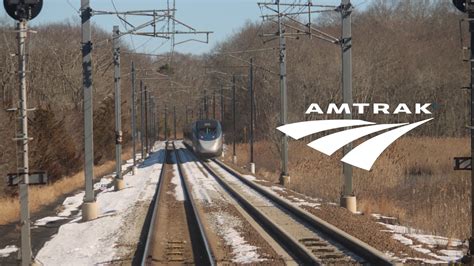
x,y
186,32
309,4
148,13
152,34
298,13
145,54
246,51
142,26
306,31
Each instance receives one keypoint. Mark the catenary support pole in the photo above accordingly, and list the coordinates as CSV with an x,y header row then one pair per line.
x,y
147,151
348,199
153,123
222,105
471,30
234,131
214,104
157,123
134,124
89,207
119,182
22,143
222,120
166,122
142,119
174,121
284,176
252,123
186,115
206,106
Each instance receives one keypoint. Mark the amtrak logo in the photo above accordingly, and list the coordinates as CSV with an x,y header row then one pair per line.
x,y
362,156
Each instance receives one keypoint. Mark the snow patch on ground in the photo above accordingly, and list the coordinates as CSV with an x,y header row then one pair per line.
x,y
71,204
243,252
204,188
207,191
301,202
6,251
454,249
93,242
178,190
46,220
250,177
277,188
402,239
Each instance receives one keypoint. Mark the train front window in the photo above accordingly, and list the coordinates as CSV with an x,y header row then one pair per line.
x,y
207,133
208,130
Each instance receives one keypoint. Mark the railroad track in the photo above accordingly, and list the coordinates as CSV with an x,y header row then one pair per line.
x,y
167,240
304,237
308,239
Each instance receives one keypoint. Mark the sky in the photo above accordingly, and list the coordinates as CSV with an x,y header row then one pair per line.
x,y
222,17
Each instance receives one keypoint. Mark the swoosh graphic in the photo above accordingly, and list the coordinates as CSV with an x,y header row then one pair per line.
x,y
364,155
303,129
331,143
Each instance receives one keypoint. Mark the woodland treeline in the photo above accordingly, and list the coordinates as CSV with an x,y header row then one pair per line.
x,y
403,52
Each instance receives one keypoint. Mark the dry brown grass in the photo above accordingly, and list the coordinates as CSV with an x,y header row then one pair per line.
x,y
413,180
44,195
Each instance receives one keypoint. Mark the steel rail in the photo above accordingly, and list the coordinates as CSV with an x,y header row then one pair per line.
x,y
353,244
156,198
297,250
188,195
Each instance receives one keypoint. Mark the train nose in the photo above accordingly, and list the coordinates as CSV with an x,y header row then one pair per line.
x,y
209,146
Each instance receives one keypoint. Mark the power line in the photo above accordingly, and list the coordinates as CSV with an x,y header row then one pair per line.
x,y
122,20
72,6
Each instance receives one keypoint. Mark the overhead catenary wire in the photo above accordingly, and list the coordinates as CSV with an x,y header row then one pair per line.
x,y
123,21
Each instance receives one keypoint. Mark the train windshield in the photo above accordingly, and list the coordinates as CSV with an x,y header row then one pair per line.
x,y
208,130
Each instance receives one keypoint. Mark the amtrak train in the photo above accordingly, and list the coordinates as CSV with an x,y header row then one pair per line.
x,y
204,137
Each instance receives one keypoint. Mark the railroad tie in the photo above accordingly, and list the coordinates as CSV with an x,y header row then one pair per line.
x,y
175,250
323,251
